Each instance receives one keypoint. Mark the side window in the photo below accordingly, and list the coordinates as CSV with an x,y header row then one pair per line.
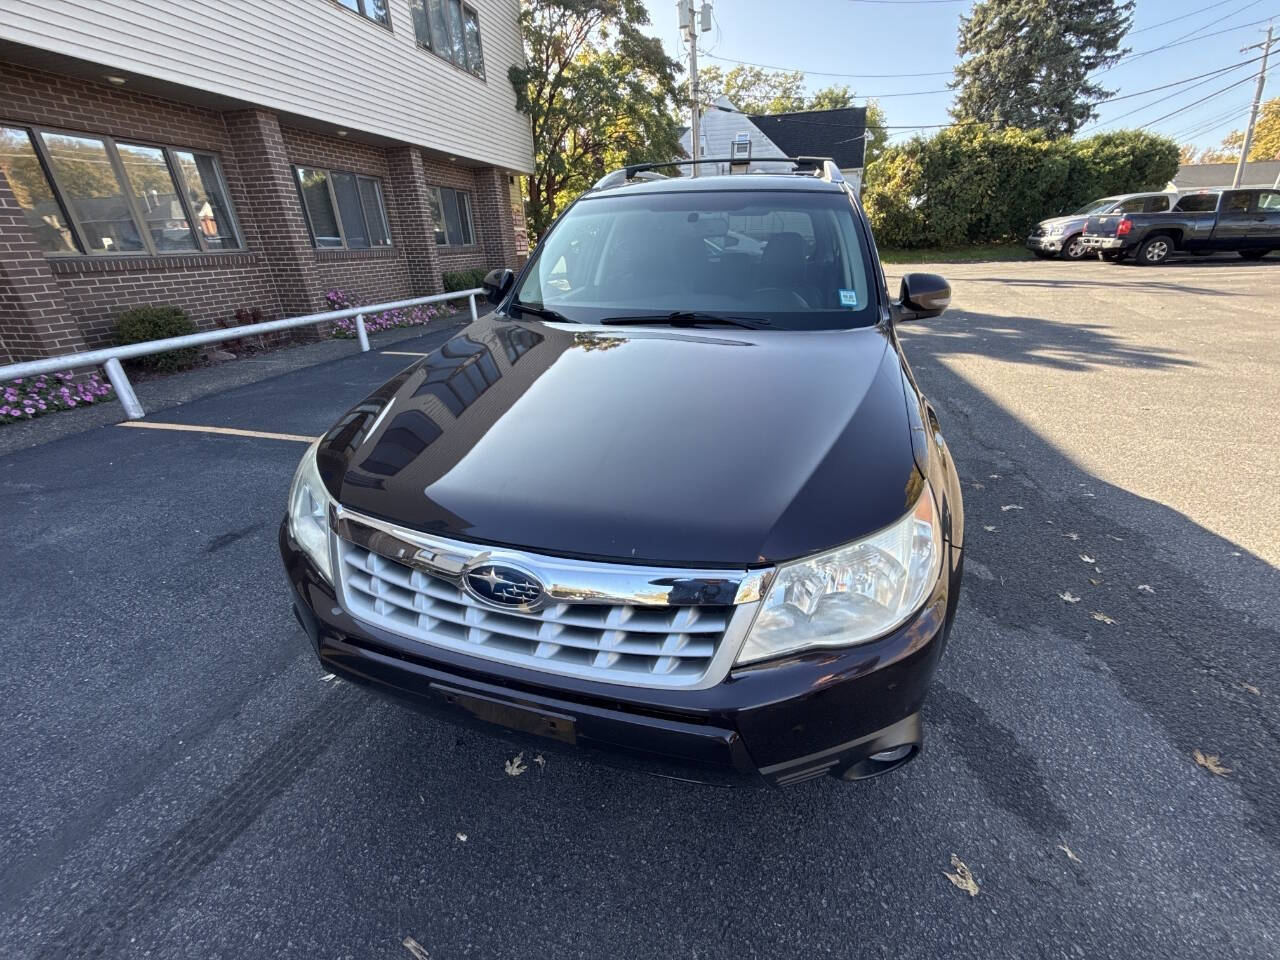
x,y
1132,205
1157,204
1269,200
1237,202
1198,203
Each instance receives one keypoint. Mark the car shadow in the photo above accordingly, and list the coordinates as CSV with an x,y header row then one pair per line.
x,y
1124,282
1030,340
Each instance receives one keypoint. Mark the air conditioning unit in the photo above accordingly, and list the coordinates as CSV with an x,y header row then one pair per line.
x,y
740,153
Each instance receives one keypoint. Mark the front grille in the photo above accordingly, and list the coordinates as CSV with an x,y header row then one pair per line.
x,y
622,643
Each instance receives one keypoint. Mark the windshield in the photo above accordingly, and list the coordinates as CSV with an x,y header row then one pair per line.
x,y
1098,206
787,258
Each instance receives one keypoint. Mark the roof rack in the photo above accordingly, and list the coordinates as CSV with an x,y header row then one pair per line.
x,y
822,167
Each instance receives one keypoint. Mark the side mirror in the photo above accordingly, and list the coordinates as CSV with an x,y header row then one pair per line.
x,y
497,283
922,295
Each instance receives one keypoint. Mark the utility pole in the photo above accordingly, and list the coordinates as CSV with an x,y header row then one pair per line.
x,y
692,22
1257,103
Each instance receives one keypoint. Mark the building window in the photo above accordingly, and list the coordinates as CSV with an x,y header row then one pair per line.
x,y
30,186
84,193
343,209
449,29
375,10
451,210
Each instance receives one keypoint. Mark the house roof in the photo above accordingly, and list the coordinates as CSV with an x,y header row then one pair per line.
x,y
720,125
1194,176
838,134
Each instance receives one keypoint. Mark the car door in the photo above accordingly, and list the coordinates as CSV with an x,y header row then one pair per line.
x,y
1235,220
1265,230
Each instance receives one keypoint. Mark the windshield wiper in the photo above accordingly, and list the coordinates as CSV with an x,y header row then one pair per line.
x,y
545,313
688,318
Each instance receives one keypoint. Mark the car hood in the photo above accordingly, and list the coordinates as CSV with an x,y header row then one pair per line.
x,y
710,446
1054,221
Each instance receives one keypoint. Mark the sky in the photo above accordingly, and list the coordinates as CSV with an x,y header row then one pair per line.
x,y
918,38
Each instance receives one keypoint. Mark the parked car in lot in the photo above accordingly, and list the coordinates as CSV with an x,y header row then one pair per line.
x,y
677,499
1246,221
1060,236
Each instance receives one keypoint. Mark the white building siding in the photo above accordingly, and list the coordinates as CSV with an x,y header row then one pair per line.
x,y
312,58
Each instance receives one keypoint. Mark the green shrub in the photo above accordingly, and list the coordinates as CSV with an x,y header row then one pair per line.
x,y
971,184
464,279
156,323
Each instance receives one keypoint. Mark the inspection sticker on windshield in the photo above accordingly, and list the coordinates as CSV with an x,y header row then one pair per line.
x,y
848,298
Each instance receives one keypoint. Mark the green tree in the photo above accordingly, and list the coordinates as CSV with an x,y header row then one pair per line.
x,y
599,93
973,184
754,89
1030,63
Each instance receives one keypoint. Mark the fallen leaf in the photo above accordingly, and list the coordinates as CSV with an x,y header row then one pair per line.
x,y
1070,856
987,527
1086,558
1250,688
462,837
1088,495
1010,506
1112,536
962,878
1072,536
515,766
1095,582
993,476
325,678
1068,596
1145,588
1102,617
539,760
1210,762
414,947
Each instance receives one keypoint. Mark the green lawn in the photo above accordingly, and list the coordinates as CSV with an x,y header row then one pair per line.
x,y
992,251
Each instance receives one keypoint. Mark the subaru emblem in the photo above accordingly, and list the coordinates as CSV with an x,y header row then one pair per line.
x,y
503,586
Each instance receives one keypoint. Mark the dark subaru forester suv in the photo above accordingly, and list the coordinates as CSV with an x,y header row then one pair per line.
x,y
677,499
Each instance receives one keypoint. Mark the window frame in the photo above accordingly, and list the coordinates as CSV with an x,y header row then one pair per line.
x,y
35,134
443,50
361,6
337,212
442,225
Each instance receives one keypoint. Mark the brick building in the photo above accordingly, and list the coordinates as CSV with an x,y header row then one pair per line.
x,y
250,155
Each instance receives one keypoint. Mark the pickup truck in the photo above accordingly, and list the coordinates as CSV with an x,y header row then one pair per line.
x,y
1246,221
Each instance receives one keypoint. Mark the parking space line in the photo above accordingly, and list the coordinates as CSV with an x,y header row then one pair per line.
x,y
403,353
228,431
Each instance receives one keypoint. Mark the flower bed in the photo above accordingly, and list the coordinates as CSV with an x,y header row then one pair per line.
x,y
384,320
32,397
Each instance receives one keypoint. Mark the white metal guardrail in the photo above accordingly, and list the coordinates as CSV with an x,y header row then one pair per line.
x,y
109,357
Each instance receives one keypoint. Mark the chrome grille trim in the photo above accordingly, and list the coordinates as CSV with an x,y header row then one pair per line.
x,y
614,623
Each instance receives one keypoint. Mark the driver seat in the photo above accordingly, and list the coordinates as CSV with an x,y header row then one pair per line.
x,y
783,264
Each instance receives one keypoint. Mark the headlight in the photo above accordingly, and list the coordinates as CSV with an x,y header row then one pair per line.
x,y
1056,229
309,512
854,593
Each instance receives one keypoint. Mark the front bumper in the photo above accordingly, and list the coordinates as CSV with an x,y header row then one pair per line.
x,y
777,723
1046,243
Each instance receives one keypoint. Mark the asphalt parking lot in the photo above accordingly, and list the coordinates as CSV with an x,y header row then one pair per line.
x,y
180,781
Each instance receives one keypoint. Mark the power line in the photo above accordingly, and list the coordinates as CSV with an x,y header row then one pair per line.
x,y
824,73
1193,13
1212,75
1216,93
942,73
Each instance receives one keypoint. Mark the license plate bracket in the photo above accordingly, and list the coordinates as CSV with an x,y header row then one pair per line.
x,y
513,716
